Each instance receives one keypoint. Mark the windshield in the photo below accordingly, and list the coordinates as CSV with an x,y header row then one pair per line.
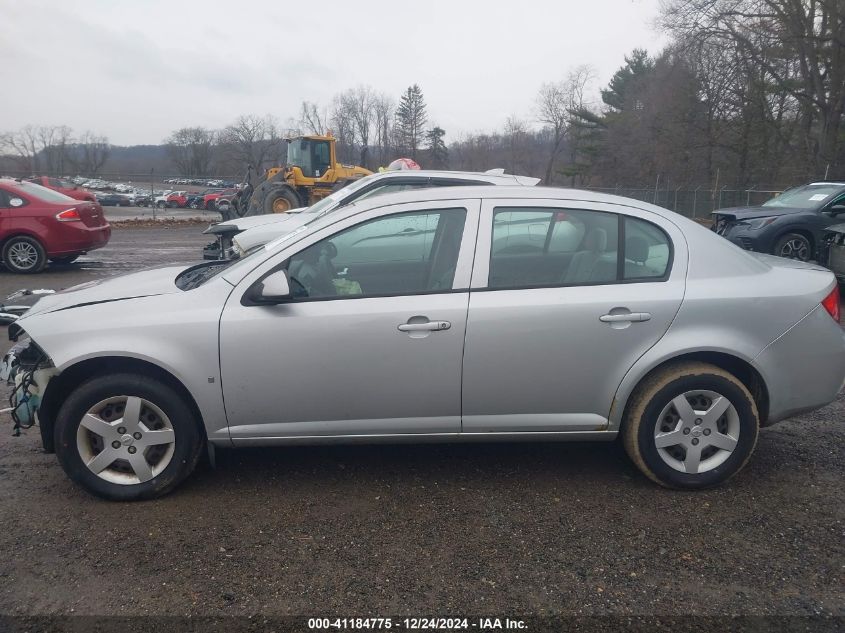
x,y
806,197
45,194
330,203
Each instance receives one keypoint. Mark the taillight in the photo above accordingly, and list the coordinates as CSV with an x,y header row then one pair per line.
x,y
831,303
68,215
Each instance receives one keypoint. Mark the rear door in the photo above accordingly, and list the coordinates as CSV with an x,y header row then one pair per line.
x,y
565,298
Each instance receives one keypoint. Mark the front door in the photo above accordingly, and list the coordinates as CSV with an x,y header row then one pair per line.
x,y
371,342
565,298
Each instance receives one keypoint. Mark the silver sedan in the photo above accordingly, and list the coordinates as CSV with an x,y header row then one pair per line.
x,y
453,314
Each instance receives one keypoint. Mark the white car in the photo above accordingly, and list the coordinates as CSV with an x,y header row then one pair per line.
x,y
238,236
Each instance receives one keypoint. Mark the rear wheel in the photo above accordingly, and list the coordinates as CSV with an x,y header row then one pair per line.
x,y
794,246
691,425
127,437
280,200
24,254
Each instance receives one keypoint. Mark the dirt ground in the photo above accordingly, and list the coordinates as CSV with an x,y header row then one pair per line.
x,y
427,530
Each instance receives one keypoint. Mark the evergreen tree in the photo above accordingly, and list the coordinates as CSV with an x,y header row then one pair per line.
x,y
410,120
437,151
637,66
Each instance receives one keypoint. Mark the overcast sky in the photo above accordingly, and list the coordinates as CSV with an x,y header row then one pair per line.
x,y
137,70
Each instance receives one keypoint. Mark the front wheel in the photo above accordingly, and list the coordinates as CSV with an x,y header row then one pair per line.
x,y
691,425
794,246
24,254
126,437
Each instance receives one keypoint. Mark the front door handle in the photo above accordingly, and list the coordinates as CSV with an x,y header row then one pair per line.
x,y
630,317
428,326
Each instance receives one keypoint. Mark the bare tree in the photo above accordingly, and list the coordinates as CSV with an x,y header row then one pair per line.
x,y
516,133
54,142
312,118
253,140
800,44
360,104
23,144
89,153
343,126
192,150
556,105
384,108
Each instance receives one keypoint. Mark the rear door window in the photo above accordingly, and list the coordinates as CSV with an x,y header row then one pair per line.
x,y
552,247
543,247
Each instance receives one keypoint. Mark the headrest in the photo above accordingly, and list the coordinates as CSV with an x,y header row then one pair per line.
x,y
636,249
596,240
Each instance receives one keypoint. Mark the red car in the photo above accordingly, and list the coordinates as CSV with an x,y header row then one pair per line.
x,y
209,200
177,199
38,224
63,186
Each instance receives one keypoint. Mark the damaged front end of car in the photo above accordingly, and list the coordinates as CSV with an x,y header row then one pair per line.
x,y
28,369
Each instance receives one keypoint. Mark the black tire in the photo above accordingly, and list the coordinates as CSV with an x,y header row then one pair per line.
x,y
64,261
794,246
161,205
25,255
194,204
281,200
188,438
657,392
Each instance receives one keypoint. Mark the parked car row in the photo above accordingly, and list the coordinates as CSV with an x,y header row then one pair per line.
x,y
208,199
208,182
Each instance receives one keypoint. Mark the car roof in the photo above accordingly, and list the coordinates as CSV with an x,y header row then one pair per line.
x,y
460,175
436,194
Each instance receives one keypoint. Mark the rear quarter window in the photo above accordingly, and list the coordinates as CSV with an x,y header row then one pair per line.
x,y
648,250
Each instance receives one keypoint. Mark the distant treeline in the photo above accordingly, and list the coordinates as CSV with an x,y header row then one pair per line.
x,y
748,94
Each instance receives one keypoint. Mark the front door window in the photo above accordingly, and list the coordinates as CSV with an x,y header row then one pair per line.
x,y
404,254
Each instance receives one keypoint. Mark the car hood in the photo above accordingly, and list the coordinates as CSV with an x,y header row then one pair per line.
x,y
750,213
242,224
259,235
146,283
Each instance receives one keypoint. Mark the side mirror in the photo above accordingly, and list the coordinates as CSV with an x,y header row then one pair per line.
x,y
836,209
272,290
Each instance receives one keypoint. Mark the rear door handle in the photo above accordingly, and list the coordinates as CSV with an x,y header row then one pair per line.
x,y
428,326
631,317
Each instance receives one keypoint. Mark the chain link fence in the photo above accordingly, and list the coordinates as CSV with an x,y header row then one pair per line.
x,y
693,203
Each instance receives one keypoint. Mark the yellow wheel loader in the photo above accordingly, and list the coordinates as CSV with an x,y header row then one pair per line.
x,y
311,173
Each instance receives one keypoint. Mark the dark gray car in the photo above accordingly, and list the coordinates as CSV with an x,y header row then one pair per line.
x,y
789,225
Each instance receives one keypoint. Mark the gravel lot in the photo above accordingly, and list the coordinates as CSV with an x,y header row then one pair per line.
x,y
424,530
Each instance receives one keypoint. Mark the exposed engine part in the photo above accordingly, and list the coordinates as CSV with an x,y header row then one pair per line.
x,y
29,368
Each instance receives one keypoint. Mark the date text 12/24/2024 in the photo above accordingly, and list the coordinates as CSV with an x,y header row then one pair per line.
x,y
417,624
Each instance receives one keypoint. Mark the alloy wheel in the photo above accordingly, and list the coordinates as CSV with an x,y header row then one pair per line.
x,y
796,248
125,440
23,255
697,431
